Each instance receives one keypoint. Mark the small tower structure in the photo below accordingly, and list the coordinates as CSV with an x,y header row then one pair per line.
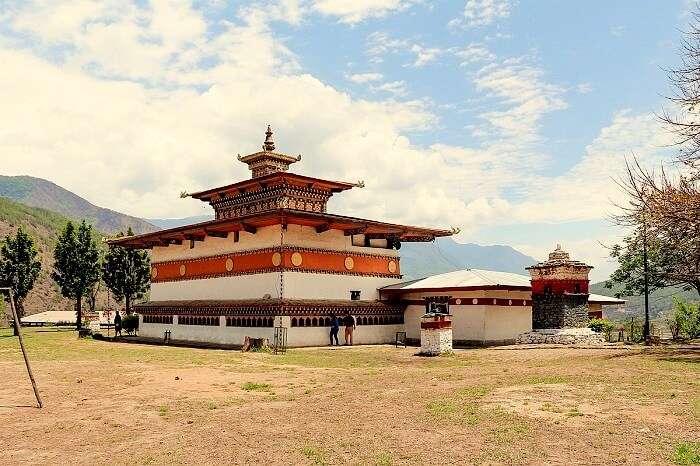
x,y
559,292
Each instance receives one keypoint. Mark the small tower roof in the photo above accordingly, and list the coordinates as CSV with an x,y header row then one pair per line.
x,y
557,258
268,161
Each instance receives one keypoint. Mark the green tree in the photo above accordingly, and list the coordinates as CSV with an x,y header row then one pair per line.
x,y
19,267
127,273
630,271
687,316
77,264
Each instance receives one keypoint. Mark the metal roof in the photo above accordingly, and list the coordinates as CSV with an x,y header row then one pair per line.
x,y
465,279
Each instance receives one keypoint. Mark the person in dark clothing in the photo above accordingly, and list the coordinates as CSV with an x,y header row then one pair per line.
x,y
335,326
349,322
117,324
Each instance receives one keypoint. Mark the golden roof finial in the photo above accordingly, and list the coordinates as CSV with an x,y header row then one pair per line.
x,y
269,144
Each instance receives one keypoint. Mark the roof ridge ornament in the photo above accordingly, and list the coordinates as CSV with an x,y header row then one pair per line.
x,y
269,144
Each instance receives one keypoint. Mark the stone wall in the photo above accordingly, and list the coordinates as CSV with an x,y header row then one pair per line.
x,y
568,336
559,311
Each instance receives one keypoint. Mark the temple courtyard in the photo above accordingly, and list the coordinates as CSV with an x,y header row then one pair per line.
x,y
138,404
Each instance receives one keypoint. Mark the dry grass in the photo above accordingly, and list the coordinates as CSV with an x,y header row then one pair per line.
x,y
126,404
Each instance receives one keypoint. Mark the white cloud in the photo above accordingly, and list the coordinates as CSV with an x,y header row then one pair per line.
x,y
355,11
424,55
473,53
361,78
482,13
156,99
584,88
397,88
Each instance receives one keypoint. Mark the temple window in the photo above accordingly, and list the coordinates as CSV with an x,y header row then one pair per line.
x,y
355,295
577,287
437,304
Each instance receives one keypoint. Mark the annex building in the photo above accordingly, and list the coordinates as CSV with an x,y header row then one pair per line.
x,y
275,257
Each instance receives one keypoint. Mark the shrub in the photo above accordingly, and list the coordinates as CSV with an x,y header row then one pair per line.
x,y
687,317
602,325
130,323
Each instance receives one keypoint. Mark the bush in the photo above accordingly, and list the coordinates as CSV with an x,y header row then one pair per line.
x,y
602,325
130,323
687,317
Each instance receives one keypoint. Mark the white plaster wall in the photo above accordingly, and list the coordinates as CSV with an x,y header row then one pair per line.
x,y
303,236
265,237
204,333
506,322
363,335
296,336
300,285
468,322
237,287
411,318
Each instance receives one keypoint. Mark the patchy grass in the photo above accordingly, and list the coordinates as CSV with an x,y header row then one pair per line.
x,y
687,453
315,455
546,379
256,387
359,405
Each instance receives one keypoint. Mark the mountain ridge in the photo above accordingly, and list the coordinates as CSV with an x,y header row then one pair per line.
x,y
44,194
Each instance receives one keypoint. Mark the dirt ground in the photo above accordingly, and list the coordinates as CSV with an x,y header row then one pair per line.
x,y
137,404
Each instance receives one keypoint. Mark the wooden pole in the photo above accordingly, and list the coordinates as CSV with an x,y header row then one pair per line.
x,y
21,344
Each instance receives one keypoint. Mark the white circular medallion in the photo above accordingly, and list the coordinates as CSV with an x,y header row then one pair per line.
x,y
458,301
524,303
154,272
229,264
349,263
495,301
475,301
183,270
392,266
296,259
276,259
510,302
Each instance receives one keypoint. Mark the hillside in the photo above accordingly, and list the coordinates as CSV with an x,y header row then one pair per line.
x,y
659,301
37,192
445,255
44,227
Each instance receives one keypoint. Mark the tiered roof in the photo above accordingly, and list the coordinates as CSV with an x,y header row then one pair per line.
x,y
273,197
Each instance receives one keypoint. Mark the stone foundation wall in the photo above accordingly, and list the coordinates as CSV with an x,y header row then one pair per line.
x,y
550,311
569,336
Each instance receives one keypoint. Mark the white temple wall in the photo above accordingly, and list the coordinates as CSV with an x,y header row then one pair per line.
x,y
476,324
505,323
237,287
265,237
206,334
296,336
363,335
301,285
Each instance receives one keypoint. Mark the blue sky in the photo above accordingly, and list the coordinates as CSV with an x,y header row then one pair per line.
x,y
509,119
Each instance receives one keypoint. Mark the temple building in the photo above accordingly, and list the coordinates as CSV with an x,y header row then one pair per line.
x,y
274,258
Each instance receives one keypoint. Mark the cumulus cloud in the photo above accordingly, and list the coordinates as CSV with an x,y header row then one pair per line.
x,y
355,11
482,13
361,78
129,104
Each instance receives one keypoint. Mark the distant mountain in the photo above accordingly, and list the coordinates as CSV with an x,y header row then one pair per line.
x,y
446,255
659,301
165,223
37,192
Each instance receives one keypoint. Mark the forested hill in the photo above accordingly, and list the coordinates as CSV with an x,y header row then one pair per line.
x,y
659,301
37,192
44,227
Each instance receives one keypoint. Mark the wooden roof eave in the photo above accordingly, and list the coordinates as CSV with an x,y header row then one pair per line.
x,y
252,222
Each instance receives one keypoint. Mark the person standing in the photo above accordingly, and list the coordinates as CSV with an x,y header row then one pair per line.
x,y
349,322
335,326
117,324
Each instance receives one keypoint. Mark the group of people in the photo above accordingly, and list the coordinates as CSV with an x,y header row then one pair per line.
x,y
348,321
